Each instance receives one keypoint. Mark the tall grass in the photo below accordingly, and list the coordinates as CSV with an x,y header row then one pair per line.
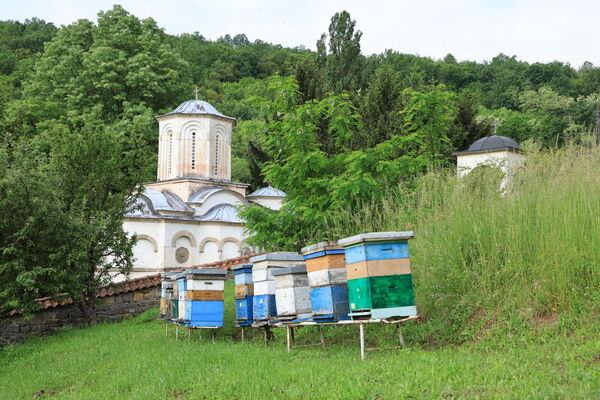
x,y
527,257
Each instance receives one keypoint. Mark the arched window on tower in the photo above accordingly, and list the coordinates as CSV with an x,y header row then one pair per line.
x,y
216,156
193,150
170,158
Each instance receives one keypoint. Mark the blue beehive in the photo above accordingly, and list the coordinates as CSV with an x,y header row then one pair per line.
x,y
326,266
243,294
205,304
263,306
327,300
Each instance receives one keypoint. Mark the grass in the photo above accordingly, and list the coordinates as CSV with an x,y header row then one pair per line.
x,y
508,285
485,263
134,360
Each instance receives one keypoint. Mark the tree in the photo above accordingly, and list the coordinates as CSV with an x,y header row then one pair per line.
x,y
380,108
430,116
342,64
322,178
62,215
119,63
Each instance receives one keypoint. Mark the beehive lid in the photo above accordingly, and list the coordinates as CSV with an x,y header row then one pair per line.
x,y
278,256
205,273
168,276
322,246
241,268
296,269
167,285
177,276
376,237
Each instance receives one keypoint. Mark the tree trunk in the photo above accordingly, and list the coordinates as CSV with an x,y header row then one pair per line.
x,y
89,310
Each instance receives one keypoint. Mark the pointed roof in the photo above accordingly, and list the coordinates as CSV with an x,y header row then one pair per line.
x,y
199,107
268,191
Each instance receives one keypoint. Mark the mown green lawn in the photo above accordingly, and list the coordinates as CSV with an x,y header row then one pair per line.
x,y
134,359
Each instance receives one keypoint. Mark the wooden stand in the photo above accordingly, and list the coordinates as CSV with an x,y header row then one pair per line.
x,y
190,328
361,328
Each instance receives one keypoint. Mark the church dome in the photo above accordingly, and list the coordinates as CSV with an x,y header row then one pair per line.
x,y
268,191
196,107
494,143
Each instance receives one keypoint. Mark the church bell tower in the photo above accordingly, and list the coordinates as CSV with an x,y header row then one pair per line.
x,y
194,142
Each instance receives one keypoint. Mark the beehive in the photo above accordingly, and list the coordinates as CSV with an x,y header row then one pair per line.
x,y
380,281
264,303
292,293
166,295
326,271
165,299
175,300
181,288
204,297
244,294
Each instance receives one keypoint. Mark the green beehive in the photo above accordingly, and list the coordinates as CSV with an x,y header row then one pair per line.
x,y
380,283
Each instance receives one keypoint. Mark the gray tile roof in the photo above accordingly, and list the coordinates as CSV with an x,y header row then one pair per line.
x,y
222,213
196,107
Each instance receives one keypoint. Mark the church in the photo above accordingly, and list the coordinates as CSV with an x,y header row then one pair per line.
x,y
188,216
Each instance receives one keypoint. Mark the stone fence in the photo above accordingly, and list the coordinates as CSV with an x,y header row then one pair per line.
x,y
117,302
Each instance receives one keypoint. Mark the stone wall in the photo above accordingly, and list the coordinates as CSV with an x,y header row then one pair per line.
x,y
112,308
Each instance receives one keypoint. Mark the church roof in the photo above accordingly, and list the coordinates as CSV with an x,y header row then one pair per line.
x,y
491,143
196,107
222,213
268,191
153,201
201,195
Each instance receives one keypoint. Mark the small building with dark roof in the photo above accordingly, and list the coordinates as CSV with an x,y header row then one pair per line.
x,y
492,151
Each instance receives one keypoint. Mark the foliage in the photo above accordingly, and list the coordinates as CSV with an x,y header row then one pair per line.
x,y
313,161
62,215
342,62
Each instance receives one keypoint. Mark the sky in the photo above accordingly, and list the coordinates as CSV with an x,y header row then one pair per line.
x,y
477,30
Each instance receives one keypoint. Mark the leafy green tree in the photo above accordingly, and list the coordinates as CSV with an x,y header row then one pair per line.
x,y
320,178
34,231
467,126
430,115
380,108
118,63
343,60
62,214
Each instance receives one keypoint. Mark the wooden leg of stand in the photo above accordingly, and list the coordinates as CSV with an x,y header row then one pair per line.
x,y
321,336
288,332
400,336
362,341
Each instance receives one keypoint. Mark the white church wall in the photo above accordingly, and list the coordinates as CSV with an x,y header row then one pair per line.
x,y
230,249
222,197
274,203
507,161
210,252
